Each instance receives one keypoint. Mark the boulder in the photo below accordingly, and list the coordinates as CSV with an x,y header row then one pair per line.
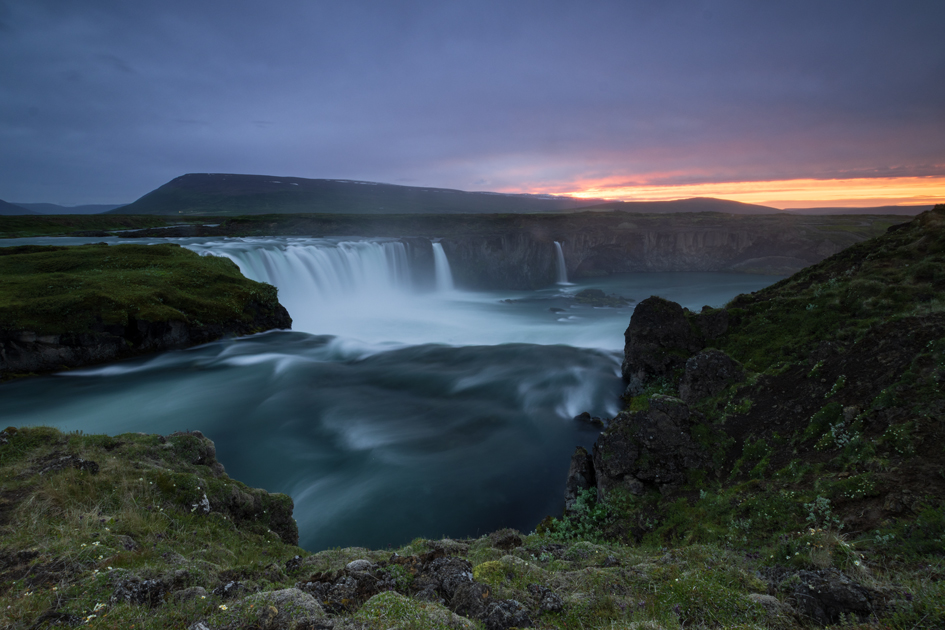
x,y
707,374
647,448
658,341
827,595
506,613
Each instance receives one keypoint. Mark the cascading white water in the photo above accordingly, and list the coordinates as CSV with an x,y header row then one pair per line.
x,y
441,267
562,268
324,270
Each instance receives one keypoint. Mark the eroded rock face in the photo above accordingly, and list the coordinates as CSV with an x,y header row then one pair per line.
x,y
658,341
647,448
580,477
707,374
23,351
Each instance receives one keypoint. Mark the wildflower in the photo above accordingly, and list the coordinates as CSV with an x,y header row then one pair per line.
x,y
222,606
96,543
90,618
98,607
203,597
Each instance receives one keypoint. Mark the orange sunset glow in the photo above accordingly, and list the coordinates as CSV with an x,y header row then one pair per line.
x,y
793,193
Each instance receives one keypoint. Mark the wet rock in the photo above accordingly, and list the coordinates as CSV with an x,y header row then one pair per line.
x,y
506,613
827,595
199,625
658,341
134,590
651,447
707,374
505,539
587,418
581,477
546,600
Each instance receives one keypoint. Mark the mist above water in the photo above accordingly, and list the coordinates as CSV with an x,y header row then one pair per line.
x,y
392,410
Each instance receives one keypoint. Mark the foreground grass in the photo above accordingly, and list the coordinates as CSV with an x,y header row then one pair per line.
x,y
52,290
71,537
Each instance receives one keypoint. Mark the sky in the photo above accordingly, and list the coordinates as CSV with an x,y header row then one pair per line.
x,y
788,104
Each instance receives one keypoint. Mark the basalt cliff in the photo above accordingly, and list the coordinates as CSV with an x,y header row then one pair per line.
x,y
519,251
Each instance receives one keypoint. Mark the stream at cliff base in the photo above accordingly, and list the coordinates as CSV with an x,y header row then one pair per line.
x,y
392,409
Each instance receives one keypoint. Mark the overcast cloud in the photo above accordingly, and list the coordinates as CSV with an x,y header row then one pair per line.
x,y
101,102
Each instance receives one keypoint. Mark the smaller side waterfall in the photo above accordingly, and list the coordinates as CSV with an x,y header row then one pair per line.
x,y
441,269
562,268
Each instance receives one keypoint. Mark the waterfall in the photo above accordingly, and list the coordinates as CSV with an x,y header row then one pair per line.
x,y
441,268
321,270
562,268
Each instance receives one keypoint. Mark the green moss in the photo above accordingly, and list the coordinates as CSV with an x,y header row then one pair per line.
x,y
54,290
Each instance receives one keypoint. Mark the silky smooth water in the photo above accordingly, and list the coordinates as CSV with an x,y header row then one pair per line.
x,y
390,411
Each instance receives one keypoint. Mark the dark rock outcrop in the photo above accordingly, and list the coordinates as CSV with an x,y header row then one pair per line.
x,y
658,341
647,448
23,352
826,596
580,477
707,374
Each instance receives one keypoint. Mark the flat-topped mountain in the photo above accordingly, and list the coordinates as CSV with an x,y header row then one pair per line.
x,y
227,194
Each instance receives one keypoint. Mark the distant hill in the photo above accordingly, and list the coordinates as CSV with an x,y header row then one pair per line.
x,y
9,209
225,194
52,208
695,204
888,210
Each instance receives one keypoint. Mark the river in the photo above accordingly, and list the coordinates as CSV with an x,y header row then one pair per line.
x,y
393,409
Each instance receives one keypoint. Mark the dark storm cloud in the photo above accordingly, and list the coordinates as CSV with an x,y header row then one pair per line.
x,y
103,101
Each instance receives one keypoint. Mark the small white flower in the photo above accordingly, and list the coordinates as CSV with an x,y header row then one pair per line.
x,y
222,606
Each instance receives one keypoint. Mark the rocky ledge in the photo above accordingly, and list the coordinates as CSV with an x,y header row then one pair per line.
x,y
24,351
66,307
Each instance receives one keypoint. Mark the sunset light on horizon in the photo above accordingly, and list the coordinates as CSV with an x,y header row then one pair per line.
x,y
784,194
